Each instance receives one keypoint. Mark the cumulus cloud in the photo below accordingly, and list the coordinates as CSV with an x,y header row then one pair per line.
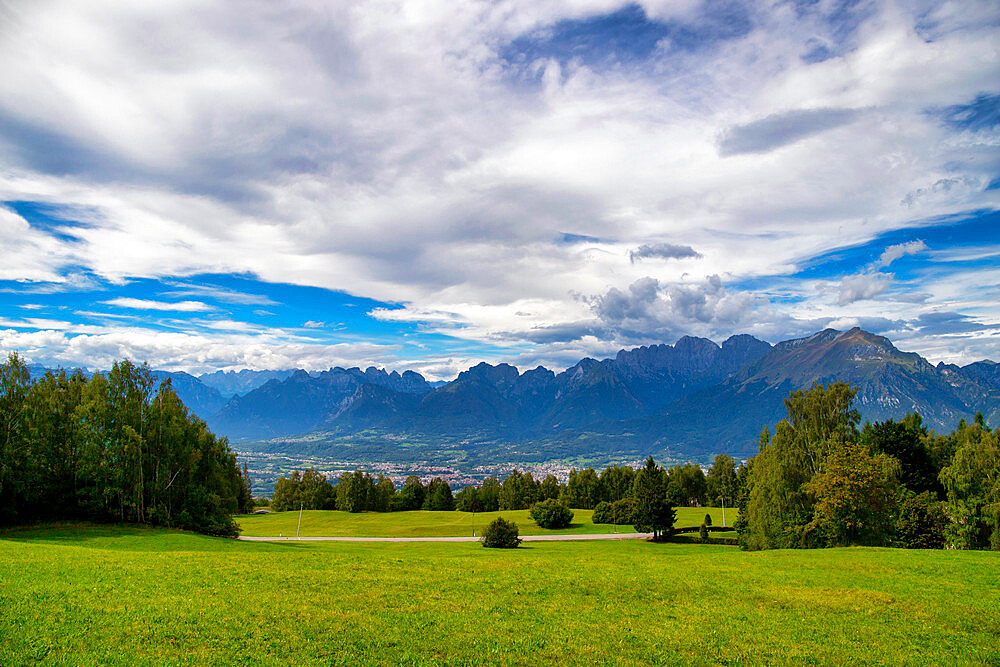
x,y
451,157
651,311
863,286
663,251
894,252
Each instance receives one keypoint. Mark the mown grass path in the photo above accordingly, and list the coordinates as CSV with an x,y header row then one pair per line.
x,y
132,596
526,538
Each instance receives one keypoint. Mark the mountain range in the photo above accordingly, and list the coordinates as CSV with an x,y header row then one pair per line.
x,y
686,401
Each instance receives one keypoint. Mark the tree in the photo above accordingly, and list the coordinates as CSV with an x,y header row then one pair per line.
x,y
583,490
549,488
411,496
518,491
489,494
551,513
244,497
777,508
686,486
467,500
624,511
501,534
439,498
720,482
922,522
354,491
905,441
972,485
111,449
14,382
856,498
653,514
383,495
286,492
616,483
618,512
820,417
602,513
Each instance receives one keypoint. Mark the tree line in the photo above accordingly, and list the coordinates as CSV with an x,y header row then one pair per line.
x,y
684,485
115,447
359,492
820,481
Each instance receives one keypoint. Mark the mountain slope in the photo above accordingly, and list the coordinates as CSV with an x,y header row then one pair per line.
x,y
728,417
200,399
302,402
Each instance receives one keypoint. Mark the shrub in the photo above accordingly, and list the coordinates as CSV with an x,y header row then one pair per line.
x,y
551,513
703,533
603,513
501,534
708,520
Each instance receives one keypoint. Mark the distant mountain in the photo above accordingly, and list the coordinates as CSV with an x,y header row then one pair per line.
x,y
200,399
302,402
238,383
488,402
728,417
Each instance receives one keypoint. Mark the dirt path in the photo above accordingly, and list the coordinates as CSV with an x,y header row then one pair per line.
x,y
526,538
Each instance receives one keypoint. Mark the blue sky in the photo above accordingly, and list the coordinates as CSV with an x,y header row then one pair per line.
x,y
427,185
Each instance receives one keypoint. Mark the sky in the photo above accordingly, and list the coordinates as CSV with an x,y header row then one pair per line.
x,y
429,184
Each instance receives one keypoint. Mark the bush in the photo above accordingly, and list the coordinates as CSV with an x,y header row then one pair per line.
x,y
602,513
708,520
703,533
551,513
501,534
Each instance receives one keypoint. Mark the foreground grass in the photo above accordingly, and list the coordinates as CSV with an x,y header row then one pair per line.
x,y
84,595
321,523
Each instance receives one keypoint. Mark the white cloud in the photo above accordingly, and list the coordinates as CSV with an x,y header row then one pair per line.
x,y
863,286
894,252
193,353
149,304
383,150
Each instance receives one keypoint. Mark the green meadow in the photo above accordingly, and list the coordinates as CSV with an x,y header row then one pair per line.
x,y
326,523
124,595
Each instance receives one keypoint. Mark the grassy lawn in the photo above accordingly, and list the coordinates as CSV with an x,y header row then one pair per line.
x,y
86,595
321,523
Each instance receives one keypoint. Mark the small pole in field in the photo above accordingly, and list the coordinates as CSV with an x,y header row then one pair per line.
x,y
473,521
723,511
300,522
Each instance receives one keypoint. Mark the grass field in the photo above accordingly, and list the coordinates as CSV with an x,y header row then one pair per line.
x,y
86,595
321,523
